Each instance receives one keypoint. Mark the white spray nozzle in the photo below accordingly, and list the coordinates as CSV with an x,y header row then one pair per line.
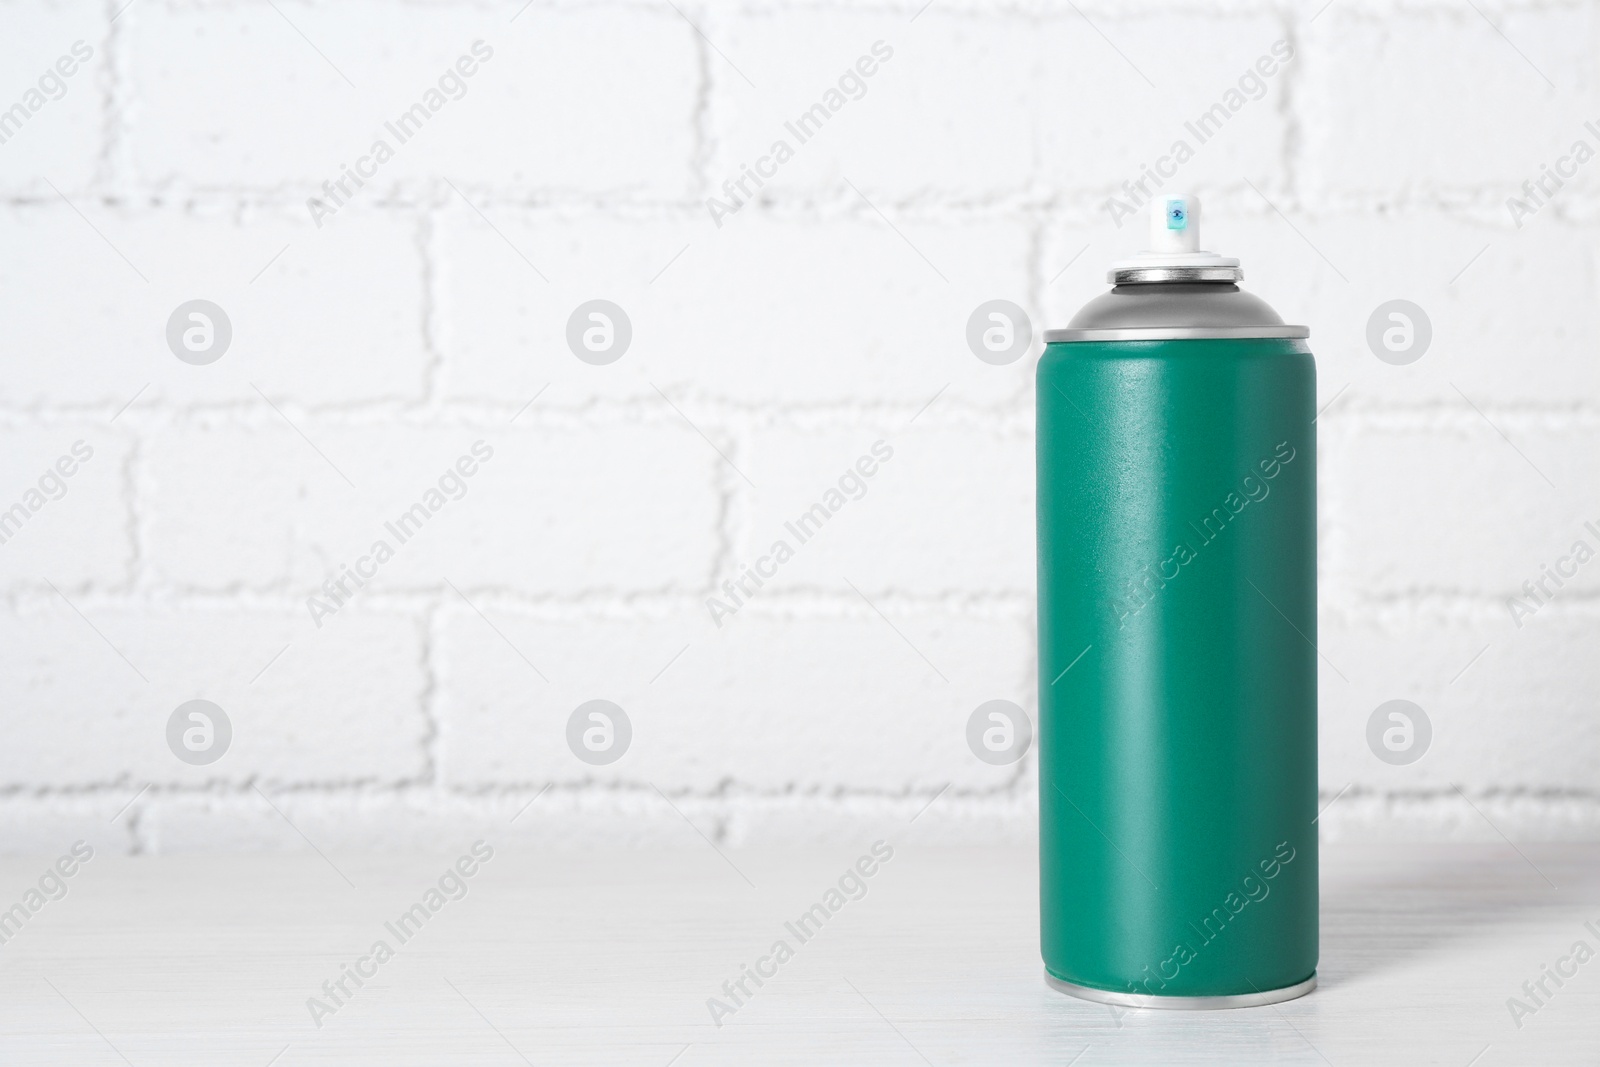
x,y
1175,224
1175,242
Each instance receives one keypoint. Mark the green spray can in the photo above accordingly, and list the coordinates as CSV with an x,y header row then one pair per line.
x,y
1177,630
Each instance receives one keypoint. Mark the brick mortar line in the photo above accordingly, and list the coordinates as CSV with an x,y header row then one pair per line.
x,y
1481,614
658,602
490,791
703,145
733,521
1292,143
115,92
998,11
643,405
1344,430
1008,419
628,790
430,702
430,289
1059,206
596,605
1000,425
135,519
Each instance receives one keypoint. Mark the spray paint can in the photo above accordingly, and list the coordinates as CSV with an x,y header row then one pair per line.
x,y
1177,630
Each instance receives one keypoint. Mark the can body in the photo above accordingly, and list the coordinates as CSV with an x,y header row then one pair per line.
x,y
1177,665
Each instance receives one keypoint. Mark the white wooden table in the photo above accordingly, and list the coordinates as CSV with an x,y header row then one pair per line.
x,y
611,957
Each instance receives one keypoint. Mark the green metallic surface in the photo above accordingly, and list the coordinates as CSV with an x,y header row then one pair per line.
x,y
1177,579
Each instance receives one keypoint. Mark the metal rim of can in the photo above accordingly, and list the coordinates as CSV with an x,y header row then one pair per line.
x,y
1147,275
1141,1000
1174,333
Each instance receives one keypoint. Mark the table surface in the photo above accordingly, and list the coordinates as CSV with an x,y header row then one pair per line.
x,y
576,958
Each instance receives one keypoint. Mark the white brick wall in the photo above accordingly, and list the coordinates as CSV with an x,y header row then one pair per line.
x,y
371,351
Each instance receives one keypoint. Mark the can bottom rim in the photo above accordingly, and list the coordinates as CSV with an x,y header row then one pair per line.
x,y
1143,1000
